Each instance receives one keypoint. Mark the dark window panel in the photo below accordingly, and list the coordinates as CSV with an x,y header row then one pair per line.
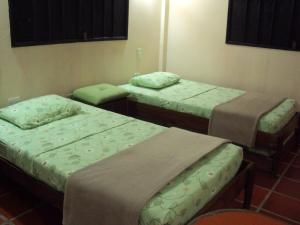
x,y
98,18
86,19
21,16
295,40
283,23
41,20
238,20
108,18
70,19
55,20
266,24
253,18
120,18
35,22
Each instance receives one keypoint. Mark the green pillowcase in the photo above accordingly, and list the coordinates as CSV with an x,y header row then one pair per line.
x,y
155,80
101,93
39,111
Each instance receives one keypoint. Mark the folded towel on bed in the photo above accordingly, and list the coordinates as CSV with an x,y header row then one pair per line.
x,y
115,190
237,120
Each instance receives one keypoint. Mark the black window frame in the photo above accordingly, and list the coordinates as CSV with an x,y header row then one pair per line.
x,y
276,35
59,24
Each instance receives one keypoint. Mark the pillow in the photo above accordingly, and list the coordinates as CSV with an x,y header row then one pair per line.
x,y
39,111
101,93
155,80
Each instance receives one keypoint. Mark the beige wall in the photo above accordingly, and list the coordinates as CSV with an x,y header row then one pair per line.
x,y
197,50
34,71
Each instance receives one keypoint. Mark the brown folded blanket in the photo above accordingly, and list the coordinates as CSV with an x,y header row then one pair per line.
x,y
238,119
115,190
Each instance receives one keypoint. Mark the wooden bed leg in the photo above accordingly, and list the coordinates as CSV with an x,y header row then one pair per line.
x,y
276,159
249,188
297,137
275,165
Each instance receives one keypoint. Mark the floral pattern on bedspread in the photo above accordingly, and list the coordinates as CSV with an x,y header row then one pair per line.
x,y
70,158
203,103
39,111
173,94
175,204
272,122
279,117
23,146
189,192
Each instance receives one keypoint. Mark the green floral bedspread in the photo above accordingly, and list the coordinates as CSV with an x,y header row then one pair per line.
x,y
54,151
200,99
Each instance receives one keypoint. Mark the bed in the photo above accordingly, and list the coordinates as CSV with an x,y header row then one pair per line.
x,y
189,105
42,159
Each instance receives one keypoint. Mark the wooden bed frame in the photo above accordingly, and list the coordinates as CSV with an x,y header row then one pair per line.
x,y
244,180
277,143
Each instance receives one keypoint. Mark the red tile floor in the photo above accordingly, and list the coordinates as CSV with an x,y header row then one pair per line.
x,y
279,197
275,197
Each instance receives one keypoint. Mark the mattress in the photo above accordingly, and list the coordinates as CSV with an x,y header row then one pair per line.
x,y
200,99
53,152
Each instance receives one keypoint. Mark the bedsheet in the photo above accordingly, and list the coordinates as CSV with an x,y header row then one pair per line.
x,y
51,153
201,103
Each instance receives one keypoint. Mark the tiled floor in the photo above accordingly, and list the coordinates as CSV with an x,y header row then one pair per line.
x,y
279,198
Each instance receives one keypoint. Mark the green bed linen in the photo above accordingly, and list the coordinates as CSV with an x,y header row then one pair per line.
x,y
202,103
54,151
183,90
